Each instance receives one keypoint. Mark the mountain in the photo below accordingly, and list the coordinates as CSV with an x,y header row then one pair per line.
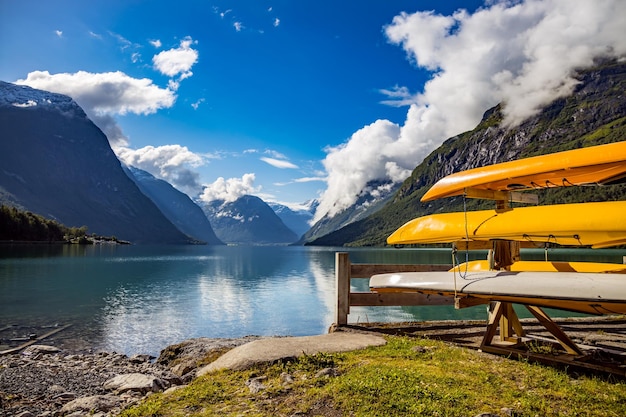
x,y
179,209
56,163
295,219
373,198
594,114
249,221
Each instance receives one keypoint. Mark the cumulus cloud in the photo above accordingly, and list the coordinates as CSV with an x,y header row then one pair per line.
x,y
229,190
59,33
103,95
177,61
520,53
173,163
156,43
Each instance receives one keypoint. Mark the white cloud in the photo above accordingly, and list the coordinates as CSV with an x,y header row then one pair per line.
x,y
172,163
351,165
104,95
156,43
398,96
310,179
125,43
276,22
197,103
59,33
238,26
279,163
177,61
520,53
230,189
95,35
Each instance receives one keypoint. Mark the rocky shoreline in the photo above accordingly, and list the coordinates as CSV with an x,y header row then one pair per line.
x,y
45,381
50,381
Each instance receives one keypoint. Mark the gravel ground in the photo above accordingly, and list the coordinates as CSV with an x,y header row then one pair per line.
x,y
39,381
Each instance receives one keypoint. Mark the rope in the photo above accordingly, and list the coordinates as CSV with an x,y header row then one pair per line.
x,y
455,260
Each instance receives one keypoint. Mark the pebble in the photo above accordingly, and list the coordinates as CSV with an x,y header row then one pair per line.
x,y
45,381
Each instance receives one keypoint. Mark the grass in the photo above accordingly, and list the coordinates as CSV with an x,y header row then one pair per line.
x,y
416,377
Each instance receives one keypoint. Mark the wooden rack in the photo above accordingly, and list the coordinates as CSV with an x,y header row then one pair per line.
x,y
345,271
504,334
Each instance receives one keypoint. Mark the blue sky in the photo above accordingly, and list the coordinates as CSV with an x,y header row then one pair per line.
x,y
293,100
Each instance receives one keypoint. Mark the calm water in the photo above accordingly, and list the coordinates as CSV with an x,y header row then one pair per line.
x,y
139,299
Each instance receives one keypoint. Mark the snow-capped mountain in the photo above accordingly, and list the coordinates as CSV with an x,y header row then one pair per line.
x,y
297,219
248,220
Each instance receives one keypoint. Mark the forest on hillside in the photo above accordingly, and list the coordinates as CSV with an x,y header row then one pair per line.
x,y
23,226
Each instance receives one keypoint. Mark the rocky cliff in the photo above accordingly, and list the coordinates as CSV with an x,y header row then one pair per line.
x,y
56,163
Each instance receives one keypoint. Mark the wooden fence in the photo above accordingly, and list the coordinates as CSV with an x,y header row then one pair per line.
x,y
345,271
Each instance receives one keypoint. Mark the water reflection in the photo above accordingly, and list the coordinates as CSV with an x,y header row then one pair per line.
x,y
139,299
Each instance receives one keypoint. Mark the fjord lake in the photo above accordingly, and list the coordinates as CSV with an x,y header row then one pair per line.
x,y
139,299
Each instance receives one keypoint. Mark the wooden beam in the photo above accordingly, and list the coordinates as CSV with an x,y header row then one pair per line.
x,y
342,287
472,245
33,341
510,196
367,270
398,299
555,330
464,302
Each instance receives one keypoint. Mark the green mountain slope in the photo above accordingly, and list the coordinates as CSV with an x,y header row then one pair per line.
x,y
594,114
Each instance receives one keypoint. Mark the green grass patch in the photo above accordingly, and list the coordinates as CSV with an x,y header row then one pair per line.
x,y
408,376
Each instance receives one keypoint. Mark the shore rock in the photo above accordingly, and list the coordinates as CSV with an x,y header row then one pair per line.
x,y
135,382
47,381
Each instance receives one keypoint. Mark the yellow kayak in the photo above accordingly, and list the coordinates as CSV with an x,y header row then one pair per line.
x,y
598,225
546,266
595,165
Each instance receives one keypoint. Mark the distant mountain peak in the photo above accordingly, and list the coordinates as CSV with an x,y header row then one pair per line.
x,y
186,215
247,220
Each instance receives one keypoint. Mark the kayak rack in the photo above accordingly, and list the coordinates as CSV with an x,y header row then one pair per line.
x,y
345,271
504,334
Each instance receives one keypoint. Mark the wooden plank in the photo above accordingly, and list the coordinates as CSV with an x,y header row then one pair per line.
x,y
398,299
367,270
472,245
32,342
342,286
495,312
509,196
567,361
567,343
464,302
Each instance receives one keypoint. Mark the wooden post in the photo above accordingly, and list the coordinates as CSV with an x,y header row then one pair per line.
x,y
342,285
567,343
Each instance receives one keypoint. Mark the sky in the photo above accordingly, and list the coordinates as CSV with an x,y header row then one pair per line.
x,y
295,100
